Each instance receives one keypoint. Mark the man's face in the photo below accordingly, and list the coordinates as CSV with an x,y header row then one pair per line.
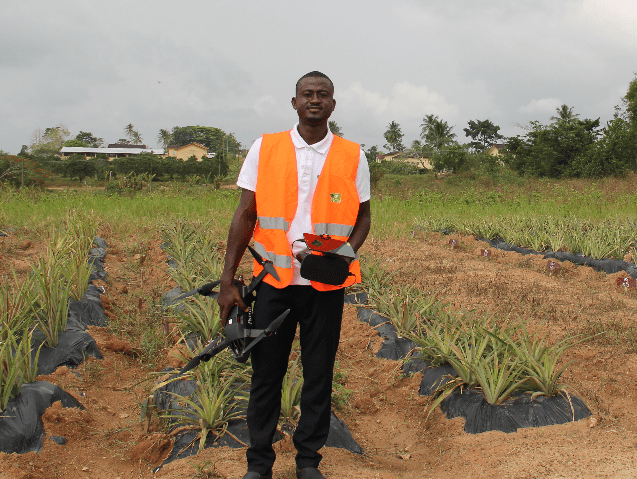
x,y
314,101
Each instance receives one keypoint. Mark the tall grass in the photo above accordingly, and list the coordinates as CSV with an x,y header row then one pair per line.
x,y
33,209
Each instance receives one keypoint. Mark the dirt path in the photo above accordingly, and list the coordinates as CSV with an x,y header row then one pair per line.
x,y
384,412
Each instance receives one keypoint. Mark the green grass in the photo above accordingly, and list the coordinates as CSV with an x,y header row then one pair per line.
x,y
41,210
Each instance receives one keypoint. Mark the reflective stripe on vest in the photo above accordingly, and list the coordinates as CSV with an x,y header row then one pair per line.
x,y
273,223
277,259
333,229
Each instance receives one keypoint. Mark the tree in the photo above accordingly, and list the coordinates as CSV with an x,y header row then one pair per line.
x,y
552,150
76,166
164,138
84,139
88,139
613,154
451,158
75,143
334,128
483,133
371,154
133,134
394,137
565,113
212,138
21,171
436,132
630,102
50,140
418,149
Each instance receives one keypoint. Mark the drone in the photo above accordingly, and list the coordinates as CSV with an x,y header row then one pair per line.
x,y
239,335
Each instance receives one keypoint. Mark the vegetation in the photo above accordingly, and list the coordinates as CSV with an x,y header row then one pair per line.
x,y
394,137
483,133
37,306
436,132
334,128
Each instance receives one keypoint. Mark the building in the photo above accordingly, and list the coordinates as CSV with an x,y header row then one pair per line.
x,y
424,162
186,151
498,149
114,150
122,150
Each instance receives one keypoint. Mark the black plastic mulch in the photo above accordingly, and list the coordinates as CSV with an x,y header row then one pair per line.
x,y
169,296
479,415
88,311
236,435
519,412
72,348
21,430
21,427
394,347
609,266
356,298
75,344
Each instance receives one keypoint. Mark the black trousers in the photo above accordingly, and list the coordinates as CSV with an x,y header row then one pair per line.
x,y
319,315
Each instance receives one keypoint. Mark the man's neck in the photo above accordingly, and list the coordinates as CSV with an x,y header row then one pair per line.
x,y
312,133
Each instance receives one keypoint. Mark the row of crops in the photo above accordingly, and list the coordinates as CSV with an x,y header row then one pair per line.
x,y
221,391
34,309
498,360
611,238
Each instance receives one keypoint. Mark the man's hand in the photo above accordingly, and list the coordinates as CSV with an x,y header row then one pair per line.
x,y
229,297
241,229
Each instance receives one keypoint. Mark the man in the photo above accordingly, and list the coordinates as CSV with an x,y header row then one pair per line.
x,y
305,180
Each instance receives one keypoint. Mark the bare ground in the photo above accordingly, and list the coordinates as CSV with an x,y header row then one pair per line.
x,y
384,413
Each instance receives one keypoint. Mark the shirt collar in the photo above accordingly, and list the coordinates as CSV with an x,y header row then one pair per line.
x,y
321,147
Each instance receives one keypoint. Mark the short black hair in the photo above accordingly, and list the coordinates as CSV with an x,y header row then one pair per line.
x,y
313,74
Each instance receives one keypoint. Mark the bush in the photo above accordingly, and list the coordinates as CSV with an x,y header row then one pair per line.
x,y
451,158
554,151
17,171
77,166
376,173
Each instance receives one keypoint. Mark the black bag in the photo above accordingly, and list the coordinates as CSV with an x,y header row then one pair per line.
x,y
327,269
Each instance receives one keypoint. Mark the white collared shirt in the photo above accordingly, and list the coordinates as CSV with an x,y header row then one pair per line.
x,y
309,164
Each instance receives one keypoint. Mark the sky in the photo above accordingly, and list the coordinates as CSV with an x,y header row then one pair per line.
x,y
98,66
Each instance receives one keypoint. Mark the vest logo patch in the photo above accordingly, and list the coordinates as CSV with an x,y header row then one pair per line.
x,y
335,197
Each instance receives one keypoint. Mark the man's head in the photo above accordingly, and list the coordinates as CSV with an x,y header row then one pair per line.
x,y
314,74
314,100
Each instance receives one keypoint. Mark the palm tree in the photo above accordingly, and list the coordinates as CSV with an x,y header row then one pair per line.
x,y
163,137
133,134
394,137
565,113
436,132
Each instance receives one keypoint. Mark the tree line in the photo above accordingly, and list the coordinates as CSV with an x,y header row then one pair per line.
x,y
40,159
566,147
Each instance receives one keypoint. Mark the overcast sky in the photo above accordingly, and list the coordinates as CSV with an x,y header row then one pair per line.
x,y
97,66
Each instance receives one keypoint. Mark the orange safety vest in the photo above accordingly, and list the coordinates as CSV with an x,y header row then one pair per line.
x,y
334,205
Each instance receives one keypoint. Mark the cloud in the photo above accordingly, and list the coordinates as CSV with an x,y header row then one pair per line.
x,y
544,105
613,20
406,101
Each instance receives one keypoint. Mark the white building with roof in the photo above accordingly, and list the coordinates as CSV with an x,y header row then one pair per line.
x,y
111,153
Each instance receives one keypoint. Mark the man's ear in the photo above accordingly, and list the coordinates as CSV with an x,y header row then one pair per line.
x,y
333,105
294,102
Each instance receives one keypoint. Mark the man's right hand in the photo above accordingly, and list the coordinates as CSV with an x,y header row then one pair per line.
x,y
229,297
